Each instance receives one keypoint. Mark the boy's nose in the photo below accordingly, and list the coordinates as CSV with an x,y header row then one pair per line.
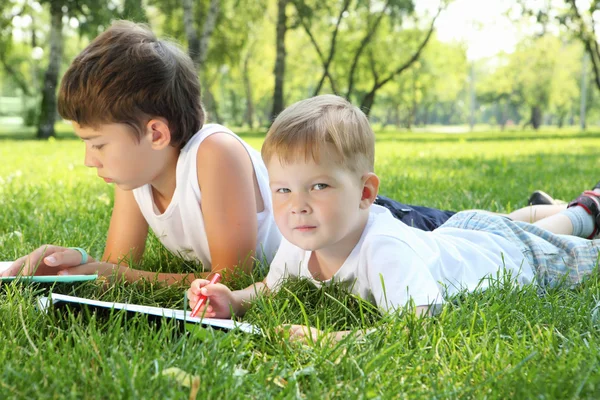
x,y
300,205
90,161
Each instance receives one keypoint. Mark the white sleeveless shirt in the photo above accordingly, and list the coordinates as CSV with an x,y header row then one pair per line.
x,y
181,227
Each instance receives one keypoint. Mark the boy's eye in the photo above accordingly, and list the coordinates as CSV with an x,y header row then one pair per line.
x,y
97,146
283,190
320,186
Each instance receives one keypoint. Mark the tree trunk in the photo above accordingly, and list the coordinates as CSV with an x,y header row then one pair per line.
x,y
234,108
249,115
332,47
369,99
48,107
589,41
190,31
279,71
413,107
367,102
207,30
536,117
363,44
198,46
212,106
560,119
425,120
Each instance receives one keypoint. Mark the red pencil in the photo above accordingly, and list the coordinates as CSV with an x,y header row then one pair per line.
x,y
216,278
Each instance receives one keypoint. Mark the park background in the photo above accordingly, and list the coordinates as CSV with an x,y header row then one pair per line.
x,y
473,107
409,64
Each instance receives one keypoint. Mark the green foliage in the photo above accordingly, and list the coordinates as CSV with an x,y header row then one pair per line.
x,y
134,10
430,91
376,37
543,72
31,117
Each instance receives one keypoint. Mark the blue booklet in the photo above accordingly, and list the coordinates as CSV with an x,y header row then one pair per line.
x,y
44,278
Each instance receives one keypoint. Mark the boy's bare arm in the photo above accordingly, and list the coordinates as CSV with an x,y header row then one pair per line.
x,y
127,232
126,240
229,207
245,296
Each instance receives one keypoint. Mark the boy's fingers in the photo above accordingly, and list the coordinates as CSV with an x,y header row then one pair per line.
x,y
14,268
25,265
197,284
213,289
192,298
296,332
99,268
18,263
203,311
86,269
44,251
66,258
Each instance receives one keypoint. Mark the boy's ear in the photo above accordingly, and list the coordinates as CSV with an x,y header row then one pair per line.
x,y
158,132
370,190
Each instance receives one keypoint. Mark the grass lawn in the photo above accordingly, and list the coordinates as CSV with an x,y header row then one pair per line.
x,y
505,343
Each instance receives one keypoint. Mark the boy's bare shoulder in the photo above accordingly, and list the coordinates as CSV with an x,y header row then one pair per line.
x,y
220,144
224,156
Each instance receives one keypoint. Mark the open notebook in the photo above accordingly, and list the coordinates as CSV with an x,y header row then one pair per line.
x,y
45,278
4,265
181,315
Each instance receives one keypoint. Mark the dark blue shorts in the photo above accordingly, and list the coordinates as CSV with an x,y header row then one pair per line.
x,y
424,218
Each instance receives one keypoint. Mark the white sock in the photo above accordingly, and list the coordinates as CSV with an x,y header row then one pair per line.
x,y
583,223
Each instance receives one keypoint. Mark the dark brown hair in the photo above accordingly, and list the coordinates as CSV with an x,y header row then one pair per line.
x,y
126,75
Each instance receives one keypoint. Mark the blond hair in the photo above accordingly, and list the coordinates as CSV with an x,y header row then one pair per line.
x,y
304,128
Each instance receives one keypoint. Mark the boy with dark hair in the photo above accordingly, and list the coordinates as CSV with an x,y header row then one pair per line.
x,y
135,101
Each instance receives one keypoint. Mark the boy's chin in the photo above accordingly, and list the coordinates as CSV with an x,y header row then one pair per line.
x,y
126,187
305,246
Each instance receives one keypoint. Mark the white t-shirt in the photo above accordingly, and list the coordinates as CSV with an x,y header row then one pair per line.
x,y
181,227
393,263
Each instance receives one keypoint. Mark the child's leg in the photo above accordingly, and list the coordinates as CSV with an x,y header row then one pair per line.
x,y
555,259
560,224
581,218
536,213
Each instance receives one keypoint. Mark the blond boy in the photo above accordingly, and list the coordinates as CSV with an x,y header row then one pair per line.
x,y
320,156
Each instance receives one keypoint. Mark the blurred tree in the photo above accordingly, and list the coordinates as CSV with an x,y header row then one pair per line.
x,y
501,89
134,10
541,75
580,18
565,88
91,16
361,22
279,70
198,44
217,34
47,117
7,55
437,80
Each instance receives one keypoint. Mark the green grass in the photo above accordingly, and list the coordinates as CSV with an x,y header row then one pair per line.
x,y
505,343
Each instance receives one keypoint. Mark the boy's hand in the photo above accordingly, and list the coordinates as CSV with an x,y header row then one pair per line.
x,y
101,268
45,260
310,335
220,299
303,333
